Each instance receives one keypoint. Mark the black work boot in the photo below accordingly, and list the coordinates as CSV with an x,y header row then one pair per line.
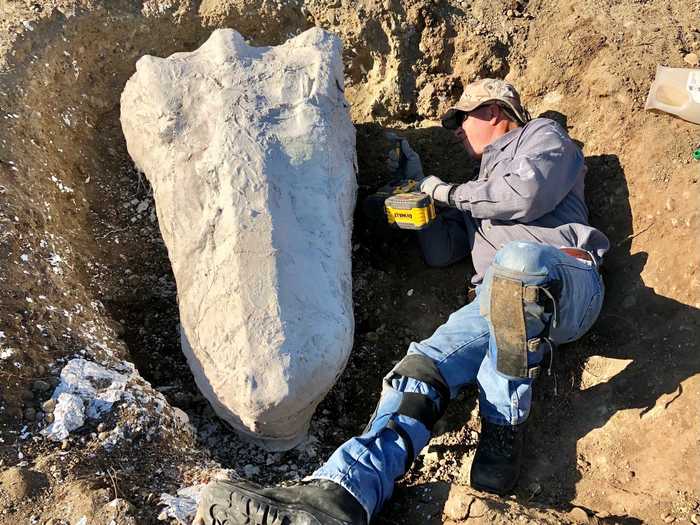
x,y
319,502
499,455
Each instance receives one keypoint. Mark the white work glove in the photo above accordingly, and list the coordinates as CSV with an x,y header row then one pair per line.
x,y
405,162
437,189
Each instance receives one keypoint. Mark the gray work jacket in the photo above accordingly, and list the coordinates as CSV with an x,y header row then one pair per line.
x,y
530,188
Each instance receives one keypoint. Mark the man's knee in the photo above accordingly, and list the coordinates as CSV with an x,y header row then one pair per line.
x,y
419,406
445,241
402,395
525,257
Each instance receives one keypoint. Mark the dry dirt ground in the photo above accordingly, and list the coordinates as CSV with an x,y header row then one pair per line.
x,y
83,270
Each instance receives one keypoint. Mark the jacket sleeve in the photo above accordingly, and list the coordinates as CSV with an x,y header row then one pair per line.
x,y
530,185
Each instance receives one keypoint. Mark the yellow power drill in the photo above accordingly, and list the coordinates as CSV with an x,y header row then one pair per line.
x,y
400,202
410,210
402,205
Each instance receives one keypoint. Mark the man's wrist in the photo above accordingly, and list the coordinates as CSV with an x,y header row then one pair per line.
x,y
440,191
451,196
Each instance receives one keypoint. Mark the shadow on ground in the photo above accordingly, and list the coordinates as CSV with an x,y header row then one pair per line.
x,y
652,332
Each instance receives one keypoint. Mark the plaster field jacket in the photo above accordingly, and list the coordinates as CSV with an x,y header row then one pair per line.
x,y
530,188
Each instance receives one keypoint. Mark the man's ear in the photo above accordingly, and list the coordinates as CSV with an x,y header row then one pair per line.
x,y
495,114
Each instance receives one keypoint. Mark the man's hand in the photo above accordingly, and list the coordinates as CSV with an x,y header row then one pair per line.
x,y
437,189
403,160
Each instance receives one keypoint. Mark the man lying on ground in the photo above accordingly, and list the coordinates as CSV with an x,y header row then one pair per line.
x,y
525,223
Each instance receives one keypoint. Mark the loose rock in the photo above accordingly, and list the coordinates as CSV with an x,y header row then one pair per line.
x,y
27,395
478,508
181,416
21,483
578,515
40,386
251,471
692,59
457,506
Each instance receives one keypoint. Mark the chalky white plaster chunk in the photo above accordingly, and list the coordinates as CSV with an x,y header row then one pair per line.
x,y
69,415
251,155
86,389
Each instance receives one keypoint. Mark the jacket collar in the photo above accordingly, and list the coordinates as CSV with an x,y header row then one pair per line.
x,y
503,141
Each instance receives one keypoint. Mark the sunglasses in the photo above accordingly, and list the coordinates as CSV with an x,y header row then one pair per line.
x,y
461,116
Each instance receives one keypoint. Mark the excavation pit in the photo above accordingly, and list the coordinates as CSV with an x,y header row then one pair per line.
x,y
100,262
86,273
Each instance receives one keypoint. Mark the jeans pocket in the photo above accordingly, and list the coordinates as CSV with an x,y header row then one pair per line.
x,y
590,314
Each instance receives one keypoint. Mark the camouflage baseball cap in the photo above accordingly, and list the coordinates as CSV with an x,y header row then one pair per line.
x,y
482,92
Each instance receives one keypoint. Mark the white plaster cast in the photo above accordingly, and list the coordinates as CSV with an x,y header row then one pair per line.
x,y
251,156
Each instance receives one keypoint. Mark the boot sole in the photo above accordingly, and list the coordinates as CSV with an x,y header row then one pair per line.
x,y
491,490
227,503
501,490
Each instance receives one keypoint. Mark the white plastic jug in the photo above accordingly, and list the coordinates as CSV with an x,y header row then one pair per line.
x,y
676,91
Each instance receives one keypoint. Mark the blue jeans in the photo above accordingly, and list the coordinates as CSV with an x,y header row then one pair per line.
x,y
464,351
